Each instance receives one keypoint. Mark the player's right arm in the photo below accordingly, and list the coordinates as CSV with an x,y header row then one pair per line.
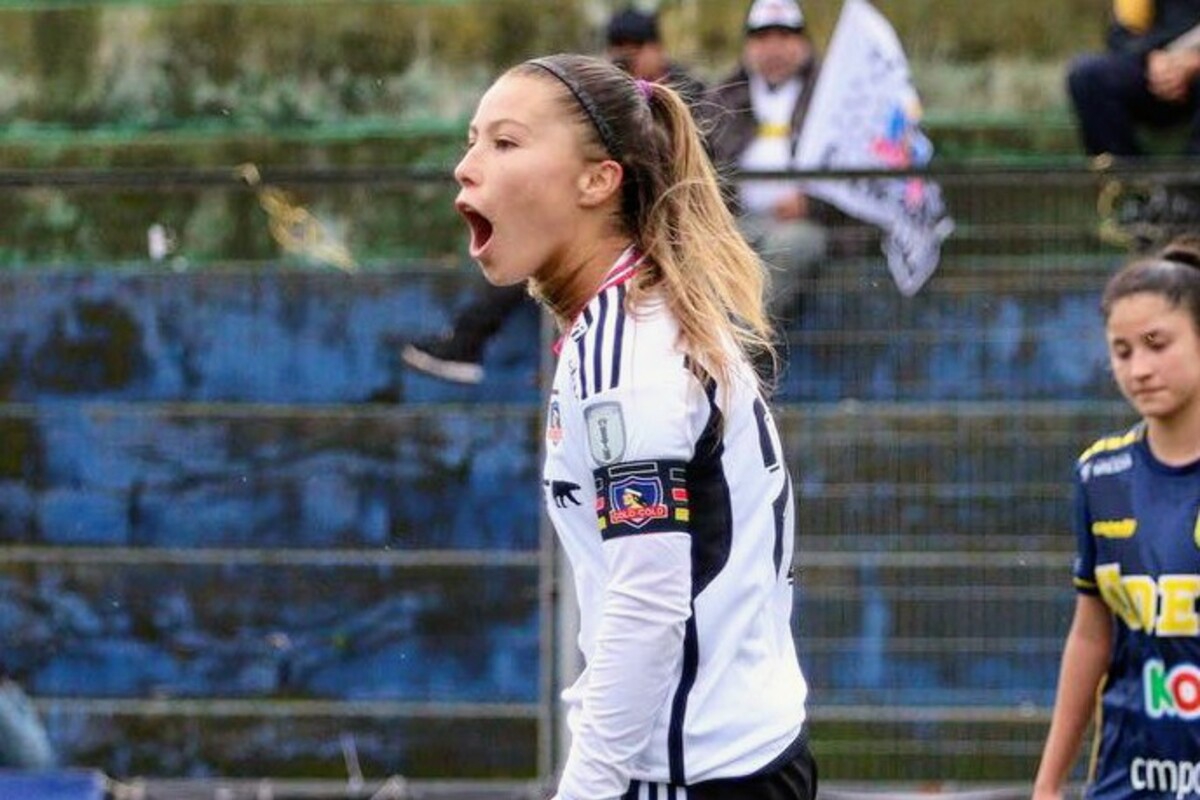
x,y
1084,662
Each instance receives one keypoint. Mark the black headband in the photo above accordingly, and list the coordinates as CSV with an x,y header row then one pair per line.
x,y
585,102
1180,255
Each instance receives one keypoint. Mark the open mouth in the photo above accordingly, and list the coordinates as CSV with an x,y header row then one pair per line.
x,y
481,228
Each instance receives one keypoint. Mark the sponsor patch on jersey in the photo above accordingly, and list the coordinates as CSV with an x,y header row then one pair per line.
x,y
642,497
1114,528
1171,693
562,493
554,431
573,373
1112,465
1151,776
605,431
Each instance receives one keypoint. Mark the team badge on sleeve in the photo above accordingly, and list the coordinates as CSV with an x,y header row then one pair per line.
x,y
554,429
605,432
642,497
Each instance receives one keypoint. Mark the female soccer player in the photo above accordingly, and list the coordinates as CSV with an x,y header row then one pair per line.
x,y
1135,637
664,474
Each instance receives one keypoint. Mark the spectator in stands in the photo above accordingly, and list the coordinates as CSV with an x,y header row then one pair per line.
x,y
635,44
755,116
23,741
1135,637
1146,77
664,475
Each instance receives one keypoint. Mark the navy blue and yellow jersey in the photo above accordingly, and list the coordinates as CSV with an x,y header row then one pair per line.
x,y
1137,524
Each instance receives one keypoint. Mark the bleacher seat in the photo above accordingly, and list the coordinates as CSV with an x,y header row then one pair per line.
x,y
57,785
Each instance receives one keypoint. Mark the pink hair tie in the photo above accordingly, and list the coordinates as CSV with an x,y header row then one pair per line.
x,y
646,88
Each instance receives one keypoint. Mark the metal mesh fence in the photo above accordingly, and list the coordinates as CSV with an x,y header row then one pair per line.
x,y
931,440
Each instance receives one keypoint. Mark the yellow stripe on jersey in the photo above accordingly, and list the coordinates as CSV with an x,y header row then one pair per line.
x,y
1196,530
1098,728
1080,583
773,130
1113,442
1114,528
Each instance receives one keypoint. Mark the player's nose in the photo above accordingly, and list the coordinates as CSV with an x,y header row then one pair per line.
x,y
466,171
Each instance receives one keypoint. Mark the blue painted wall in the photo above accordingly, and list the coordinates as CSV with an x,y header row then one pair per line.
x,y
265,413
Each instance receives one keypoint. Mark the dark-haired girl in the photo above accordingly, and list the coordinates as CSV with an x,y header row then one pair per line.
x,y
1132,658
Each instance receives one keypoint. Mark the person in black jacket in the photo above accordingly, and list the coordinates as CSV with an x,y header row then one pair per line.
x,y
636,46
1147,76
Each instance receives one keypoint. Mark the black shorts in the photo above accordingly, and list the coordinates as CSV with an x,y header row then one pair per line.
x,y
794,779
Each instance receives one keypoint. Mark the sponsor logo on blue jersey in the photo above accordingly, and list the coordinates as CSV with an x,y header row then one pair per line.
x,y
1164,606
1114,528
1112,465
1174,693
1181,778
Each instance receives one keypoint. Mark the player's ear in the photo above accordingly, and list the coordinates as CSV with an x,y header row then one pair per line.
x,y
599,182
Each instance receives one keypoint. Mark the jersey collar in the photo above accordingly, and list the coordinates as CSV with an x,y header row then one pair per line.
x,y
622,271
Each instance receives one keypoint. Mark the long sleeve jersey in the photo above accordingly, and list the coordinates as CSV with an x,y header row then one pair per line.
x,y
675,509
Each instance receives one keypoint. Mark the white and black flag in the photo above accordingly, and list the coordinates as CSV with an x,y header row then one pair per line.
x,y
865,115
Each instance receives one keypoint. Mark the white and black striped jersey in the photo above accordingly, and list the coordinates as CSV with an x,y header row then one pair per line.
x,y
673,504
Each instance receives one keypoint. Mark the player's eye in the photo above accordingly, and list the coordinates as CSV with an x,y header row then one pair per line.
x,y
1155,341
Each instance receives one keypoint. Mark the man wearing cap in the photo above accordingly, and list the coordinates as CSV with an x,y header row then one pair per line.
x,y
635,46
755,116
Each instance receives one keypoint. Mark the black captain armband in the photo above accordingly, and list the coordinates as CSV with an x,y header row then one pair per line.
x,y
639,497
